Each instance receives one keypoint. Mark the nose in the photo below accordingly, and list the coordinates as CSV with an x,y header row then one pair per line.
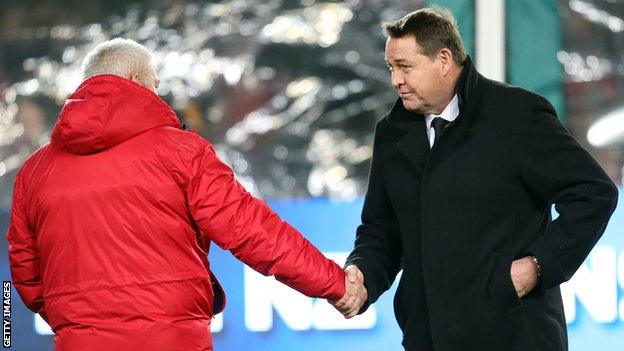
x,y
397,79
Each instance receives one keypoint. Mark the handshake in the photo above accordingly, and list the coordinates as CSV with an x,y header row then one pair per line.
x,y
355,293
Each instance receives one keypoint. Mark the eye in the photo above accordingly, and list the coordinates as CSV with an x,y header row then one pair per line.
x,y
389,68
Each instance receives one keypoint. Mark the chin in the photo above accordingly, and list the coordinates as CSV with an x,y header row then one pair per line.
x,y
412,106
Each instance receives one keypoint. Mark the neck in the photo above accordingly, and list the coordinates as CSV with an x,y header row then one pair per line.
x,y
453,78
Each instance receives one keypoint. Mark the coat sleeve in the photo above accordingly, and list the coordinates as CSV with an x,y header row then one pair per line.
x,y
557,170
24,254
236,221
377,250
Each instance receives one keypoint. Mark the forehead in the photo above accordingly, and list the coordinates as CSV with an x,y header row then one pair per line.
x,y
403,48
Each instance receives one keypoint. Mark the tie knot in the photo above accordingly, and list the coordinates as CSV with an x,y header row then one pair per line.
x,y
438,125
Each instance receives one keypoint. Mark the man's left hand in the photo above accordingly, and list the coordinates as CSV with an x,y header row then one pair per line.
x,y
523,275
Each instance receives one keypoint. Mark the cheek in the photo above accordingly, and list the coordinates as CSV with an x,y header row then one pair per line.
x,y
424,85
434,84
415,83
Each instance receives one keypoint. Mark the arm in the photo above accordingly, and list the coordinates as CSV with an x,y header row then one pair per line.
x,y
557,170
228,215
377,251
24,254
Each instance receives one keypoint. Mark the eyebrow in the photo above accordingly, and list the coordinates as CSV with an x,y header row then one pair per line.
x,y
398,61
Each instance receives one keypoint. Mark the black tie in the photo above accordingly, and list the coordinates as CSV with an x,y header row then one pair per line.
x,y
438,125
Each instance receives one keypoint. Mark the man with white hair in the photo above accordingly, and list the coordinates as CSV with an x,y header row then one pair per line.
x,y
112,220
122,57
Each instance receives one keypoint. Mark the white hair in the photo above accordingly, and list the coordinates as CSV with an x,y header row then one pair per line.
x,y
121,57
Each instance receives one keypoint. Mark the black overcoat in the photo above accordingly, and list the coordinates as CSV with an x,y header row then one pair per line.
x,y
455,216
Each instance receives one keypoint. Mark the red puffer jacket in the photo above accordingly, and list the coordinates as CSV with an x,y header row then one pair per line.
x,y
112,221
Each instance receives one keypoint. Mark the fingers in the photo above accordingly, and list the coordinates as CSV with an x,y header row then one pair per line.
x,y
351,314
351,307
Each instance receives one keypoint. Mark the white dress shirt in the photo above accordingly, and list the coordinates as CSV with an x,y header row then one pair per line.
x,y
450,113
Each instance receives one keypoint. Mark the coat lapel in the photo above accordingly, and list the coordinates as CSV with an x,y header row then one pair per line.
x,y
414,145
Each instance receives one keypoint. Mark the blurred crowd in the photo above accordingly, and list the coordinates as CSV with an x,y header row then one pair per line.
x,y
288,91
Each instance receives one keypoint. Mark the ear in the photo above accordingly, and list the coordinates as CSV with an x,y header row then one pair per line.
x,y
446,59
135,78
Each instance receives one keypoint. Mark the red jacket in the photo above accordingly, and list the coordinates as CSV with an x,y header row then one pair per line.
x,y
111,225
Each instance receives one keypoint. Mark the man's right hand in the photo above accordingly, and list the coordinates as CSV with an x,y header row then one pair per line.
x,y
355,294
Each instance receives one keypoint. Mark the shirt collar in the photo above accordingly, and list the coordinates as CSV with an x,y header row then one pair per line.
x,y
450,113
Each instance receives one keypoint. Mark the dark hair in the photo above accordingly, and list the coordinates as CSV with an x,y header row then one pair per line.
x,y
434,28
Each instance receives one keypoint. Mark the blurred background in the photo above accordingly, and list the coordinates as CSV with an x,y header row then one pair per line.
x,y
289,92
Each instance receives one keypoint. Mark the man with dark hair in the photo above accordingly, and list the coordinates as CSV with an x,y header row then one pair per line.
x,y
463,176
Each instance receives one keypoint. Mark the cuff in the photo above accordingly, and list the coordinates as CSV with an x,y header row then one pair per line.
x,y
551,272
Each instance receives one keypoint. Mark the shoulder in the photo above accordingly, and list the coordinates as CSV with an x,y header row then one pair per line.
x,y
179,151
386,132
183,147
505,101
175,140
32,163
506,93
391,125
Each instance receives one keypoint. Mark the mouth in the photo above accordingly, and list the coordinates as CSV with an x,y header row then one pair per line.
x,y
404,95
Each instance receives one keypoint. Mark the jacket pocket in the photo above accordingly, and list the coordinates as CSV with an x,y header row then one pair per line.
x,y
218,295
397,303
501,287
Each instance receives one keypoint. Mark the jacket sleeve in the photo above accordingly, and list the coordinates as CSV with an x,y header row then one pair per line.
x,y
557,170
236,221
24,254
377,251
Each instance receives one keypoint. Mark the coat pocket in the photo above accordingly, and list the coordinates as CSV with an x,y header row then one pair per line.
x,y
218,295
397,304
501,287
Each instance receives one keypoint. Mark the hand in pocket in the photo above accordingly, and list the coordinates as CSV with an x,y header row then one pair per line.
x,y
524,275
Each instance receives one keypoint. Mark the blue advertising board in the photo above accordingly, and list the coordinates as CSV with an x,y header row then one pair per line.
x,y
262,314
